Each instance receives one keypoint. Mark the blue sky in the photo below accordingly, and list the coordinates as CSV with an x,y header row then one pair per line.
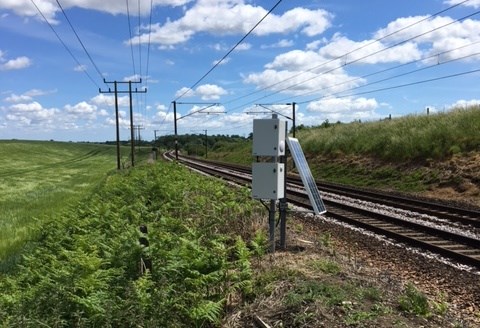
x,y
338,60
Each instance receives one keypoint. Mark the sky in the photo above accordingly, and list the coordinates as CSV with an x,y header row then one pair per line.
x,y
224,63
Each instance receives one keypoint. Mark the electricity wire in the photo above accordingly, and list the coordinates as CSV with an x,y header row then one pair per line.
x,y
80,41
64,45
361,58
131,39
426,58
403,85
351,52
230,51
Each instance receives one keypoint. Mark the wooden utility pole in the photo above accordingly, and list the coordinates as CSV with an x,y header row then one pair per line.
x,y
116,92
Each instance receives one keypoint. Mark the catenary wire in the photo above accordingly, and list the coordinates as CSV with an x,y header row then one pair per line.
x,y
398,86
359,59
426,58
347,53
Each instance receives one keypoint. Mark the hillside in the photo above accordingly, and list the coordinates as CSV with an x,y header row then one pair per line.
x,y
206,242
40,178
434,156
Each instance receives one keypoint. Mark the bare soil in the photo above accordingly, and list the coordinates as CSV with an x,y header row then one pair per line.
x,y
459,179
453,292
366,262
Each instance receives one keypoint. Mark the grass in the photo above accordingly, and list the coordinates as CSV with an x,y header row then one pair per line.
x,y
393,154
40,178
410,138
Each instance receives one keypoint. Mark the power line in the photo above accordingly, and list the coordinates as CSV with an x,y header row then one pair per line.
x,y
131,40
438,63
63,43
230,51
80,41
359,59
148,50
353,51
399,86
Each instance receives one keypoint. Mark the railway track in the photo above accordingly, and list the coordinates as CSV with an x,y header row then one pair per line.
x,y
448,231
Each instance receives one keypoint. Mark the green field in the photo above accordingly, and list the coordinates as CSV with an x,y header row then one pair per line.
x,y
40,178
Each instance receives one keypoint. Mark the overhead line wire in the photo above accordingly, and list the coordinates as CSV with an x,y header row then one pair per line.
x,y
64,45
401,85
393,68
361,58
230,51
346,54
394,77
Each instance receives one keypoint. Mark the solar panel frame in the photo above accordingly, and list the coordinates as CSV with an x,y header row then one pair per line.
x,y
306,175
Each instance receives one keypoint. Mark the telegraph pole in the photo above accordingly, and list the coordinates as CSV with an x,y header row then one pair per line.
x,y
137,128
116,92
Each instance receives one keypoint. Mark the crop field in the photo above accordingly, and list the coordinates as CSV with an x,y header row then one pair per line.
x,y
38,179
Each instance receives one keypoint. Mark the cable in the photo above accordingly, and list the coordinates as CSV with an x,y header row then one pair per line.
x,y
350,52
392,68
148,52
131,43
400,85
230,51
361,58
79,40
64,45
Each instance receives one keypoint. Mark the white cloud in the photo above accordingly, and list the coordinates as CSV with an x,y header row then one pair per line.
x,y
436,35
82,110
344,109
32,114
237,18
471,3
13,98
104,99
223,62
17,63
80,68
204,91
284,43
465,103
161,108
50,9
184,92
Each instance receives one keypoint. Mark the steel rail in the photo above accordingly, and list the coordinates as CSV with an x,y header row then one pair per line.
x,y
459,247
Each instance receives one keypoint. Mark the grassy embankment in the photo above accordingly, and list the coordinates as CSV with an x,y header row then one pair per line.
x,y
395,154
41,178
207,245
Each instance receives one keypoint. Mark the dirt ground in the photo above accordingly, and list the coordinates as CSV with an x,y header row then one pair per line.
x,y
459,179
363,260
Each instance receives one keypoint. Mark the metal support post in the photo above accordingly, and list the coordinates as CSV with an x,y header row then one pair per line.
x,y
271,223
283,205
175,126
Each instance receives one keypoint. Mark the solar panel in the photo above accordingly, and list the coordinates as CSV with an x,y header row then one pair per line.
x,y
306,175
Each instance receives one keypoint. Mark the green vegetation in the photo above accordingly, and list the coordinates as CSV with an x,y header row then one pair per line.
x,y
84,268
207,245
410,138
413,301
398,154
38,179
